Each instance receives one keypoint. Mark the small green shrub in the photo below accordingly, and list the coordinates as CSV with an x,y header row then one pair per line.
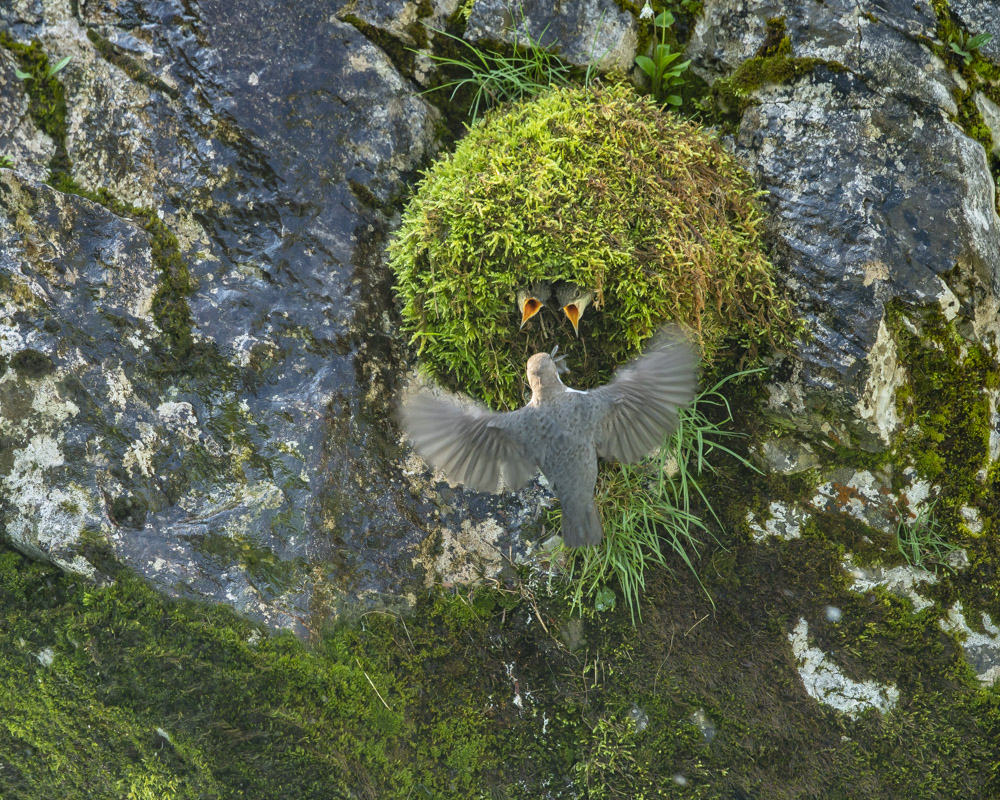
x,y
598,187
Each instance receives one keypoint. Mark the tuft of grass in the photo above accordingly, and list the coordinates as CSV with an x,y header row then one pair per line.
x,y
495,78
656,506
920,542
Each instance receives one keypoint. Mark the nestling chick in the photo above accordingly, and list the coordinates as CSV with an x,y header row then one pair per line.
x,y
531,299
573,301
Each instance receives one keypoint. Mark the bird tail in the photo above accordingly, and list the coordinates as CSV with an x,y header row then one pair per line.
x,y
581,525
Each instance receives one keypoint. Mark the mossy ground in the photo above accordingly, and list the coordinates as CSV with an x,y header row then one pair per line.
x,y
470,697
599,187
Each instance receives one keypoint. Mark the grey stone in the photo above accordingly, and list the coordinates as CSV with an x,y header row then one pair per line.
x,y
28,148
875,195
991,116
273,142
583,33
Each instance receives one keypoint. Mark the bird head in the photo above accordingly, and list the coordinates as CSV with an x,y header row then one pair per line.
x,y
573,300
530,299
543,375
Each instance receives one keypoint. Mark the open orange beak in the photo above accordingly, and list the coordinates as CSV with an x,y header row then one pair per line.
x,y
531,307
573,312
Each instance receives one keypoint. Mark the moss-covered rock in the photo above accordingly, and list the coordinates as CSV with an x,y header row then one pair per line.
x,y
599,187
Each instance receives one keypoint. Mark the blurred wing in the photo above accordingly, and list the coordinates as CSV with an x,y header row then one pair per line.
x,y
467,443
643,399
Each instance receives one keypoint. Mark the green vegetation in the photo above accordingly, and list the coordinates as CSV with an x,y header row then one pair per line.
x,y
944,405
46,94
920,542
661,69
656,501
964,44
495,78
114,691
599,187
52,70
945,409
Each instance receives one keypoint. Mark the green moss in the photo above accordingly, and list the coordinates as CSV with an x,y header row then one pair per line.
x,y
470,697
773,64
46,96
944,405
598,187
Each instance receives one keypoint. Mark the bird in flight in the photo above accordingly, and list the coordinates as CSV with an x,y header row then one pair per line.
x,y
561,431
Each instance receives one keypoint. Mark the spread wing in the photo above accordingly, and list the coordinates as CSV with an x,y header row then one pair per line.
x,y
643,399
467,443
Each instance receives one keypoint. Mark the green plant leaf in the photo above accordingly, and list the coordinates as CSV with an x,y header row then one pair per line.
x,y
978,40
664,19
646,65
62,63
662,55
677,69
674,100
605,599
22,75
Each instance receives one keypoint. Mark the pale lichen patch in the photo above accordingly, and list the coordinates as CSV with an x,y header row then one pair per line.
x,y
785,523
465,555
901,581
877,405
981,649
825,682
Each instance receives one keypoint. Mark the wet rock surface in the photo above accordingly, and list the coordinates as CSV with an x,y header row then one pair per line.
x,y
198,374
259,467
582,33
877,195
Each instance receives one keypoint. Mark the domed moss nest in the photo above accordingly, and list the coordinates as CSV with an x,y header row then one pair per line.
x,y
598,187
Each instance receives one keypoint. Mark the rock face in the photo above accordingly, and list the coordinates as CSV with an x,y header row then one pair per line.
x,y
198,370
198,349
867,132
878,196
582,33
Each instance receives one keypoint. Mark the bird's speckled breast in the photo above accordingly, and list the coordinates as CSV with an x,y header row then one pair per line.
x,y
560,437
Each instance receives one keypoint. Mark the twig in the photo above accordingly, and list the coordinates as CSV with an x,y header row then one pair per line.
x,y
696,624
372,684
